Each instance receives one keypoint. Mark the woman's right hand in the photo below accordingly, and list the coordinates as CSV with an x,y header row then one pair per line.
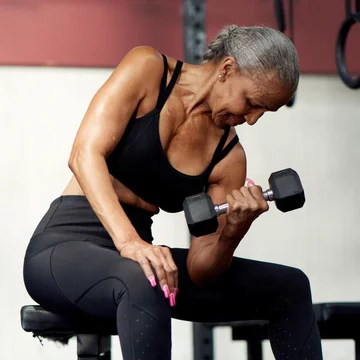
x,y
160,259
245,205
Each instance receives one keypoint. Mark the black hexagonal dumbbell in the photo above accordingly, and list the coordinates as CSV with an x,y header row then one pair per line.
x,y
285,190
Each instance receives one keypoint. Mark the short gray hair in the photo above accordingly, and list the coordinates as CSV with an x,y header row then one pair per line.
x,y
260,53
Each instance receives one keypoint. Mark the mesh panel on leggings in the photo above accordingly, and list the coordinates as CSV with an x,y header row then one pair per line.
x,y
150,340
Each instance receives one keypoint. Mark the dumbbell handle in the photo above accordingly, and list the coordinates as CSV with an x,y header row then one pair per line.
x,y
223,208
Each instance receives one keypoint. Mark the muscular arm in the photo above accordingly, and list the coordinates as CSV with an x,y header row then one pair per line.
x,y
102,128
211,255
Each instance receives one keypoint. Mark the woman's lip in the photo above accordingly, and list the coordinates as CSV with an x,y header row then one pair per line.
x,y
233,122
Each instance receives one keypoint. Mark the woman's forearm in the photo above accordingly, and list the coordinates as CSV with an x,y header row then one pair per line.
x,y
93,176
214,258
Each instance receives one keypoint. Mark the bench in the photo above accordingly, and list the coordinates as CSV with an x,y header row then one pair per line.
x,y
335,320
93,335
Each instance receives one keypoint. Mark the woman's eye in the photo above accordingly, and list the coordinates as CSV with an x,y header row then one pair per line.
x,y
251,104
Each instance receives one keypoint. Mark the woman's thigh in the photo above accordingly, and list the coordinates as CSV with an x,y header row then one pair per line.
x,y
249,289
78,275
81,276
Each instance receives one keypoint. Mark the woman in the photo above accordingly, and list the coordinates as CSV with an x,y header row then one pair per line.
x,y
157,131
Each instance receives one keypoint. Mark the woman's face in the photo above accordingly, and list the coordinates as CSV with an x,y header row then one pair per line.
x,y
237,99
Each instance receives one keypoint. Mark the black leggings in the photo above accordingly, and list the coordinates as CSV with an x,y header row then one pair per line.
x,y
70,272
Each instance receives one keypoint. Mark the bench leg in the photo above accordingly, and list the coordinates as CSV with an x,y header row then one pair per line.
x,y
93,347
254,350
203,342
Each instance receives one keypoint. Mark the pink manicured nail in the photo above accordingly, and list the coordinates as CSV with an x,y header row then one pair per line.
x,y
152,281
176,291
172,300
250,182
166,291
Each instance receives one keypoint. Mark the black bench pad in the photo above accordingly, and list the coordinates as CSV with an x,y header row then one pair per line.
x,y
38,320
349,312
335,320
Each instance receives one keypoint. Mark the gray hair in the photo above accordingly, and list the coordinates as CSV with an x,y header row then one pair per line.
x,y
260,53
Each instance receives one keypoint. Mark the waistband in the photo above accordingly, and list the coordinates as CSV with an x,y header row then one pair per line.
x,y
74,214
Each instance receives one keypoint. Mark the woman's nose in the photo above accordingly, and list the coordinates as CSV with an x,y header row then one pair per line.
x,y
253,117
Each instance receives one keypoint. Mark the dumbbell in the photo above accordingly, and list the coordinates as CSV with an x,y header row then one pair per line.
x,y
285,190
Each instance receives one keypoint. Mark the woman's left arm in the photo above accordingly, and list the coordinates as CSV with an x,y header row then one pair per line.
x,y
211,255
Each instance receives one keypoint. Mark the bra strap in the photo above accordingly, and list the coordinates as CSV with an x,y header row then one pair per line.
x,y
220,151
219,147
228,148
165,92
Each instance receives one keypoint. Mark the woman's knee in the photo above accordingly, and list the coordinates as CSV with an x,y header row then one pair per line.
x,y
296,285
134,286
129,280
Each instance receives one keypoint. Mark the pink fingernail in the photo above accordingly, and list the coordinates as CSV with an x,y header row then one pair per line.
x,y
166,291
250,182
152,281
172,300
176,291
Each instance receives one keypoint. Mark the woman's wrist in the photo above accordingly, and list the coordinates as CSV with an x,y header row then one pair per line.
x,y
125,238
232,233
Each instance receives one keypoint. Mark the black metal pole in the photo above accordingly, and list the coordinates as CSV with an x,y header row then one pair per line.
x,y
254,348
203,342
194,31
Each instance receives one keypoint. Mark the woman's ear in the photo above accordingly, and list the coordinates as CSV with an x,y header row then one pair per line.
x,y
229,66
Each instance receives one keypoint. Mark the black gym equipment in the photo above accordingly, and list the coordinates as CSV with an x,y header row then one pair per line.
x,y
285,190
335,320
93,334
353,82
281,25
194,30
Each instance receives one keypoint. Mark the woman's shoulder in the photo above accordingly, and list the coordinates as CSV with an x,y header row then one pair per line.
x,y
144,64
144,58
149,59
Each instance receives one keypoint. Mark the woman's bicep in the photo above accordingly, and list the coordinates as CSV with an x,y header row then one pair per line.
x,y
228,176
115,102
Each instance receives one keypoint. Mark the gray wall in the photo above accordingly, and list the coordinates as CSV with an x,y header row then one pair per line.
x,y
40,111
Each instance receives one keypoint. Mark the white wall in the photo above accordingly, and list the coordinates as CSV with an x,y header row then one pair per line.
x,y
40,111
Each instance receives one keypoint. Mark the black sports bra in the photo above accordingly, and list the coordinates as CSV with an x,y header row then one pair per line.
x,y
140,163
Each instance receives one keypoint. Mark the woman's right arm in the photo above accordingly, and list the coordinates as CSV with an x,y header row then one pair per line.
x,y
101,129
